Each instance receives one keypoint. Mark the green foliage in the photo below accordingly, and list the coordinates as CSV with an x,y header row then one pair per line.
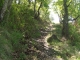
x,y
22,56
21,18
1,3
73,33
18,21
5,45
15,39
45,4
74,37
10,43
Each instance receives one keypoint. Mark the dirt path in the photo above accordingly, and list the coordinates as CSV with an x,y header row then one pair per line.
x,y
46,51
45,36
59,50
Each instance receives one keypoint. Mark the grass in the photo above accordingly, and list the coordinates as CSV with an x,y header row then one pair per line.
x,y
67,50
13,42
10,42
7,38
5,46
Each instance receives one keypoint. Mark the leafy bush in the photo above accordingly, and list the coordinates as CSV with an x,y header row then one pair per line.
x,y
74,36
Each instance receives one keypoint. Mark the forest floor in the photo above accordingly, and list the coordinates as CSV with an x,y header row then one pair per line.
x,y
51,46
45,51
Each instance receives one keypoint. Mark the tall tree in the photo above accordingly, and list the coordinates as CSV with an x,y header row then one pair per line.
x,y
35,8
40,4
6,5
3,9
39,9
63,7
65,29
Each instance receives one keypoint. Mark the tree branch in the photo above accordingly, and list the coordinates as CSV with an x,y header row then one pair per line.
x,y
69,3
4,8
76,17
39,9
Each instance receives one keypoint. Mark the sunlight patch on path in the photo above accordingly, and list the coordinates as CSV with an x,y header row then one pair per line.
x,y
48,34
46,44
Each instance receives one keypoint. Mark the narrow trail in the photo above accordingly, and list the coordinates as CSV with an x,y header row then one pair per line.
x,y
47,52
45,35
56,52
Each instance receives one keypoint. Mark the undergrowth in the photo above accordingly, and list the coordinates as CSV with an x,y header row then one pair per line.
x,y
18,30
69,49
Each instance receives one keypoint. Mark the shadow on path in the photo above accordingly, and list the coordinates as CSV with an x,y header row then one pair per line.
x,y
46,51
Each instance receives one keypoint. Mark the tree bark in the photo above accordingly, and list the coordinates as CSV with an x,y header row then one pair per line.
x,y
35,7
7,4
39,9
3,9
65,29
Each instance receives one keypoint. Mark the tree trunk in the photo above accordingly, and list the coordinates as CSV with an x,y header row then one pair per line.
x,y
7,4
35,8
65,29
39,10
3,9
